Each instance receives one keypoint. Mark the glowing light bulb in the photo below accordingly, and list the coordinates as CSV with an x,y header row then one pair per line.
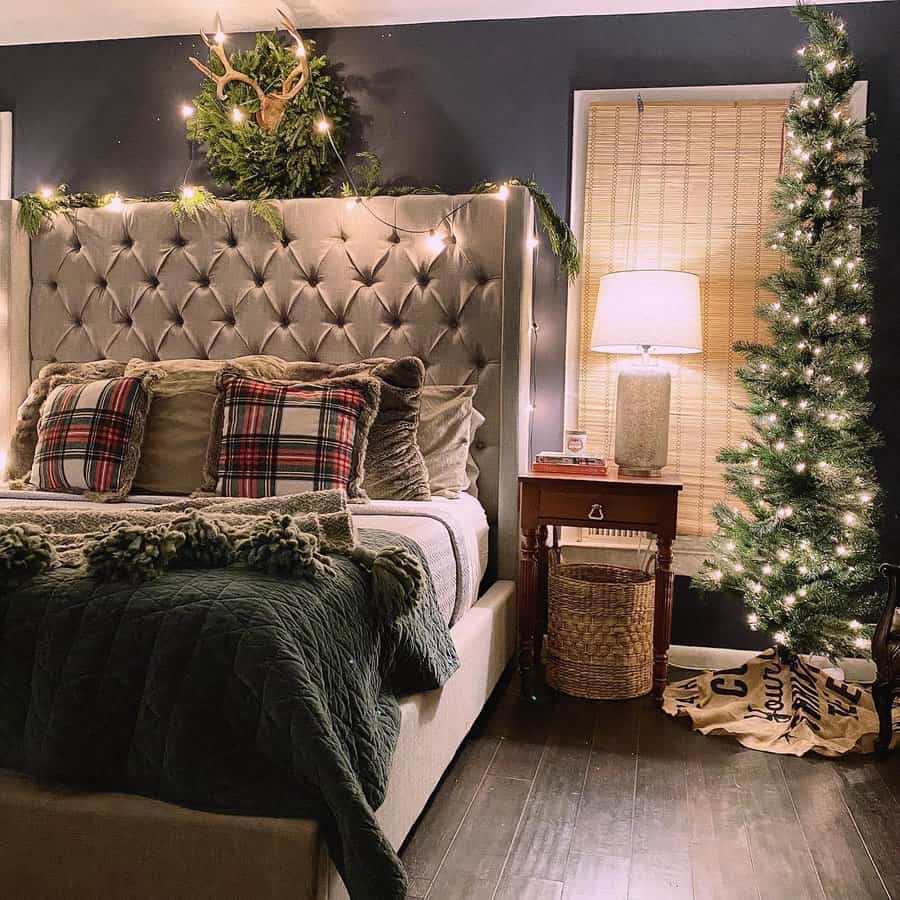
x,y
782,554
738,567
789,600
756,587
219,36
859,365
436,241
832,317
849,518
838,260
46,193
532,243
716,575
784,512
800,468
757,482
187,192
779,446
753,619
831,66
827,279
854,625
767,569
237,115
187,110
802,570
841,550
114,202
352,203
729,546
862,320
300,52
323,126
865,498
503,191
780,638
861,643
802,591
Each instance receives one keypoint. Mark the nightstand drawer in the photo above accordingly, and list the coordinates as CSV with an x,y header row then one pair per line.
x,y
599,509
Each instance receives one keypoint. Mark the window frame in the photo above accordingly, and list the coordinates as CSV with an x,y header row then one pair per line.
x,y
689,551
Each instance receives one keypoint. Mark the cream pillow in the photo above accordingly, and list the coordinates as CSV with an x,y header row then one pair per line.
x,y
447,426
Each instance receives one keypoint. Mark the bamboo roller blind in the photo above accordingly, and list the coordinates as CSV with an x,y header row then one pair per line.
x,y
697,182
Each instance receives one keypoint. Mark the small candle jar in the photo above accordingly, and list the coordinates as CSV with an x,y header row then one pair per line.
x,y
576,443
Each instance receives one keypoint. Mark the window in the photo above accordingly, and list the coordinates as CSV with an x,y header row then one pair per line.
x,y
693,173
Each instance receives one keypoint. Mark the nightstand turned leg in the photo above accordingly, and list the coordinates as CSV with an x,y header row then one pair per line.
x,y
662,618
529,589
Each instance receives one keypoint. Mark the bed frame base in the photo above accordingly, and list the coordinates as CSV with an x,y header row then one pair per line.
x,y
59,843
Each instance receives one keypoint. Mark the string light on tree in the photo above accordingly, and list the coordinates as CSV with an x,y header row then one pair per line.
x,y
795,510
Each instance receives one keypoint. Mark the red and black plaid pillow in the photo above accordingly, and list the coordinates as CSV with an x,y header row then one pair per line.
x,y
285,438
89,436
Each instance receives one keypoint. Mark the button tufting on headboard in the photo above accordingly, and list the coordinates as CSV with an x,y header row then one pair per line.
x,y
336,285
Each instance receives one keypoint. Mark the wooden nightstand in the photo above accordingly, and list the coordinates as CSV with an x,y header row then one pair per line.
x,y
633,504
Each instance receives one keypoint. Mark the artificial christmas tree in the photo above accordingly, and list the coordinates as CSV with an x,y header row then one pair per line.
x,y
801,548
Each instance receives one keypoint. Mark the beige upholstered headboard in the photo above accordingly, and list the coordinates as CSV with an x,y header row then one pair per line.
x,y
338,286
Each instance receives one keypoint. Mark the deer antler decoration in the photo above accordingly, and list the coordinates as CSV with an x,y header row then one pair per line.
x,y
271,105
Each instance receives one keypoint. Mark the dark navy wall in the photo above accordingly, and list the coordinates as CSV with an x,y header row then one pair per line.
x,y
453,103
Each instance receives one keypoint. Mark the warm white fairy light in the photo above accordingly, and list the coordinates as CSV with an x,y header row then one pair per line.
x,y
861,643
789,600
300,51
503,191
854,625
436,241
352,202
323,126
187,110
188,192
738,567
841,550
766,569
237,115
784,512
865,498
779,445
716,575
849,519
752,620
800,467
114,202
782,554
46,193
531,243
756,587
780,637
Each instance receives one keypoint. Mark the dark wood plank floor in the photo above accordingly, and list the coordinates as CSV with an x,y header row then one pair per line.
x,y
577,800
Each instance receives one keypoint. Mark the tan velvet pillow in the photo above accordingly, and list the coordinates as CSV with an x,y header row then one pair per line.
x,y
177,432
24,438
446,430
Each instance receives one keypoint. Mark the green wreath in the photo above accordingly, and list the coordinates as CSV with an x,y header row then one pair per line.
x,y
294,160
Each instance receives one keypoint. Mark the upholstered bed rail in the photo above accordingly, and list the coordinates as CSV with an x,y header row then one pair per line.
x,y
337,285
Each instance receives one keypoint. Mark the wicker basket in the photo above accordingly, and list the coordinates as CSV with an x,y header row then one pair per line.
x,y
600,631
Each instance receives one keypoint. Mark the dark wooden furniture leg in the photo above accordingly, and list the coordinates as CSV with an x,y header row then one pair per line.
x,y
886,654
529,589
662,615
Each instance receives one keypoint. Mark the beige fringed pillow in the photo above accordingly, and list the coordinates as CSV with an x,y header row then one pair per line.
x,y
447,426
24,438
177,434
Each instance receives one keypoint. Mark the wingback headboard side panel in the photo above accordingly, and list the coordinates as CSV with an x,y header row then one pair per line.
x,y
339,285
15,353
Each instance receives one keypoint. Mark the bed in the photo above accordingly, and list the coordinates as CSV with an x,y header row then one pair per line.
x,y
119,284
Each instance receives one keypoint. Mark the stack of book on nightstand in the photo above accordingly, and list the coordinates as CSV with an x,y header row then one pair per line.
x,y
553,462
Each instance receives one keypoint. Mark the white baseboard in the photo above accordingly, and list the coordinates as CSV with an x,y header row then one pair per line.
x,y
861,671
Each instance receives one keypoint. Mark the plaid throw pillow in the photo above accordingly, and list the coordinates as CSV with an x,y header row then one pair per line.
x,y
285,438
89,436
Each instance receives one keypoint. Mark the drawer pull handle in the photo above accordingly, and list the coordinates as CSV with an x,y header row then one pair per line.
x,y
596,512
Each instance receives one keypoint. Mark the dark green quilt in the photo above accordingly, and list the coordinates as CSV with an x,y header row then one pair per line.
x,y
223,689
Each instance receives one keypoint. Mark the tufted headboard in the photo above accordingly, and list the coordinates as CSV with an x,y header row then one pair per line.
x,y
337,286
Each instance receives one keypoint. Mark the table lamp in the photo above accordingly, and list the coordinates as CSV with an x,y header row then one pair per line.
x,y
650,311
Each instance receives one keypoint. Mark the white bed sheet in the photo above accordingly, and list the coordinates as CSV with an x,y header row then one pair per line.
x,y
453,535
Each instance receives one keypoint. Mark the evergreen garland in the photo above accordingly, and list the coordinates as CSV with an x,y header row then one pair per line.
x,y
802,547
295,159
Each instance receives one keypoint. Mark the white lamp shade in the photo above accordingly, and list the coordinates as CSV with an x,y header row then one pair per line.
x,y
652,308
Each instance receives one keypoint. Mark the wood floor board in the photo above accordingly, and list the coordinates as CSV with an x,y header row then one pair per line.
x,y
431,838
876,814
782,860
476,857
719,843
660,860
838,851
529,889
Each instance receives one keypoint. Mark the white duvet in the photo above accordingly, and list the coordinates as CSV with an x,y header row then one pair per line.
x,y
453,535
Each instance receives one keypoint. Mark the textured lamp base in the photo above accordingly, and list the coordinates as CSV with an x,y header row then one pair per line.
x,y
642,421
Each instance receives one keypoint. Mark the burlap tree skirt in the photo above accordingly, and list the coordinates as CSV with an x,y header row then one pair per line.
x,y
780,706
